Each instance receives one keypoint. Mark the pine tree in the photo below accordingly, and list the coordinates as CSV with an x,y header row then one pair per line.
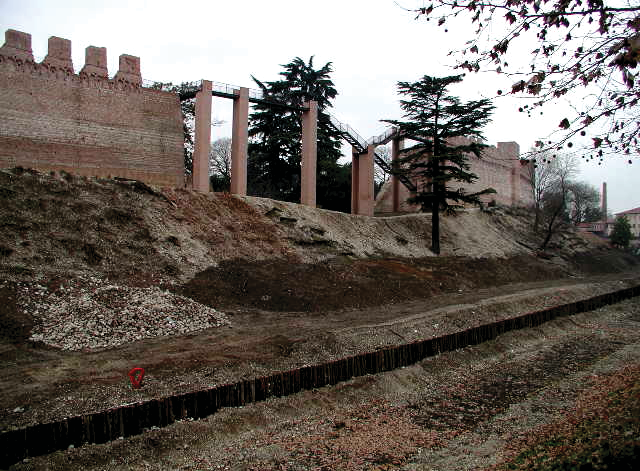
x,y
434,122
274,150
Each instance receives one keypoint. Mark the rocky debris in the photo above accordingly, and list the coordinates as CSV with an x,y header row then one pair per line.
x,y
88,313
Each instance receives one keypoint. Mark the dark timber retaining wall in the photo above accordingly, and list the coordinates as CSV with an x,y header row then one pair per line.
x,y
133,419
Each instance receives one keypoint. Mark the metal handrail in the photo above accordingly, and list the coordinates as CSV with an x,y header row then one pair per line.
x,y
345,129
384,137
193,86
150,83
223,88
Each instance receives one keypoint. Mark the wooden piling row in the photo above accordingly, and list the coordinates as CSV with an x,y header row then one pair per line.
x,y
133,419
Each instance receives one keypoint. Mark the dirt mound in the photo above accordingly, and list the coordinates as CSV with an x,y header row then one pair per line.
x,y
228,252
298,285
109,261
316,234
60,226
124,230
355,283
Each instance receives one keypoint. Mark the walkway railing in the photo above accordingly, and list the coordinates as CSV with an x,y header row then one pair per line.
x,y
361,145
385,137
349,134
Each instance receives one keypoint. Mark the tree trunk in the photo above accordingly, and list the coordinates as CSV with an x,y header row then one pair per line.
x,y
550,228
435,225
536,221
435,209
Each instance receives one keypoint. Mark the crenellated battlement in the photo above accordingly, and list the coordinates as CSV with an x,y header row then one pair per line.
x,y
17,45
17,51
54,119
59,54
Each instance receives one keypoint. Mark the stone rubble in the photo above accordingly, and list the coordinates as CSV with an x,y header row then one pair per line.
x,y
88,313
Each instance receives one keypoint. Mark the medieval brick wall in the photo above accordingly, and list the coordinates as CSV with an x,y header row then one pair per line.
x,y
86,124
500,168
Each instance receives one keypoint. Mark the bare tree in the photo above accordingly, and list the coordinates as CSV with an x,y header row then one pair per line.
x,y
380,175
220,163
544,173
551,183
592,46
186,91
583,202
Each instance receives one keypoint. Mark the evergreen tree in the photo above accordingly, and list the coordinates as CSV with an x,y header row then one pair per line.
x,y
621,234
275,131
434,120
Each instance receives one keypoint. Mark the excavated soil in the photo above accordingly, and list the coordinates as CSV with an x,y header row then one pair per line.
x,y
297,286
565,393
340,283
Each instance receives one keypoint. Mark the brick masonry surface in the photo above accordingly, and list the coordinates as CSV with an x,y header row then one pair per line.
x,y
52,119
500,168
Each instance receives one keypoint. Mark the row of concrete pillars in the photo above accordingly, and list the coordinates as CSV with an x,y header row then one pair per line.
x,y
362,183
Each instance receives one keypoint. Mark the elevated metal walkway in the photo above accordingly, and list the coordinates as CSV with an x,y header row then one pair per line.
x,y
345,131
225,90
361,145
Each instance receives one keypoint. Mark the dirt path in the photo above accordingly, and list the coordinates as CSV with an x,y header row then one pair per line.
x,y
458,411
40,384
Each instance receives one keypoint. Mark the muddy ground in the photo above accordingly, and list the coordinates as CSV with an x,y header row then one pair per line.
x,y
338,311
564,393
298,285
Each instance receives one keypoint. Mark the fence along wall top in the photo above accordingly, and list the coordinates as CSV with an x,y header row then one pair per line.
x,y
225,90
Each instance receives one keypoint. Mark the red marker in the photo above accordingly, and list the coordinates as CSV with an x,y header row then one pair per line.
x,y
136,375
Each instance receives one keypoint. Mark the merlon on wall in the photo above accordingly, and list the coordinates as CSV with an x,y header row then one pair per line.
x,y
52,119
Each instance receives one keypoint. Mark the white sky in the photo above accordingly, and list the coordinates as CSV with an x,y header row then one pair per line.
x,y
372,44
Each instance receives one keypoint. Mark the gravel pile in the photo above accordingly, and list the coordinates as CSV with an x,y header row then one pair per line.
x,y
89,313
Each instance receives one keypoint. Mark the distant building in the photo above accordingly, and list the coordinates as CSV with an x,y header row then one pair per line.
x,y
604,226
598,227
633,215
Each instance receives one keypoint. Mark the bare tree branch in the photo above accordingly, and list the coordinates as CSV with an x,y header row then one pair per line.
x,y
590,46
220,158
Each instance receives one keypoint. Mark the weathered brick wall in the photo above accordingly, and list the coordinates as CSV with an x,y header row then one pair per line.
x,y
500,168
87,124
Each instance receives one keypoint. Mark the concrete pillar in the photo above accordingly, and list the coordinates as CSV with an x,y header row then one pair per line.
x,y
355,180
95,62
396,146
309,154
59,53
129,69
365,182
239,142
202,143
17,44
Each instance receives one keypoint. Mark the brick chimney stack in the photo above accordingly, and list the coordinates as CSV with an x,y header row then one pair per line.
x,y
604,202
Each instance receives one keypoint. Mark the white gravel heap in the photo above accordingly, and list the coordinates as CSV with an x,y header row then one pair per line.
x,y
89,313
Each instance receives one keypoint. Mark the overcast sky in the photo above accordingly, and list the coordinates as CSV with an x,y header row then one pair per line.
x,y
372,43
